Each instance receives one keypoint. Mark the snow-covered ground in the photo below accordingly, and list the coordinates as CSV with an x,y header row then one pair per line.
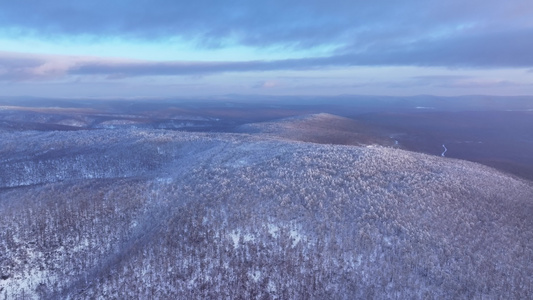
x,y
149,213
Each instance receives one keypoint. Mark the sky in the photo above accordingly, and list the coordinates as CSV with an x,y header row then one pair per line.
x,y
176,48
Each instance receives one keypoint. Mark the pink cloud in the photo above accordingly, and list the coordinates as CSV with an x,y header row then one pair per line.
x,y
270,84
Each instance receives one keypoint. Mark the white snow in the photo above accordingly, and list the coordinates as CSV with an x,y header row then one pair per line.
x,y
273,230
255,275
295,236
235,236
445,149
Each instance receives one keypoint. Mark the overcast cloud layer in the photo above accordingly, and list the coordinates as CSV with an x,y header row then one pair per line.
x,y
473,34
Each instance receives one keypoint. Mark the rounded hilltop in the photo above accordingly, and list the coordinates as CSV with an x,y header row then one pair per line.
x,y
166,214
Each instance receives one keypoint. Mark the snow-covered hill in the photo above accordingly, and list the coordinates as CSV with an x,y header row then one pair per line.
x,y
140,214
322,128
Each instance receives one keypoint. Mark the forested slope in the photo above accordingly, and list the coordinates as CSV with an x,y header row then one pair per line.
x,y
159,214
321,128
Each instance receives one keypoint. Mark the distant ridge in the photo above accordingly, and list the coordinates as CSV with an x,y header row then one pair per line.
x,y
321,128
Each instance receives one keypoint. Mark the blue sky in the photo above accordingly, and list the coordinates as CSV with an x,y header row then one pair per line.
x,y
164,48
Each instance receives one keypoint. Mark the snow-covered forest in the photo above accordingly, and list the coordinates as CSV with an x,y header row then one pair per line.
x,y
154,214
